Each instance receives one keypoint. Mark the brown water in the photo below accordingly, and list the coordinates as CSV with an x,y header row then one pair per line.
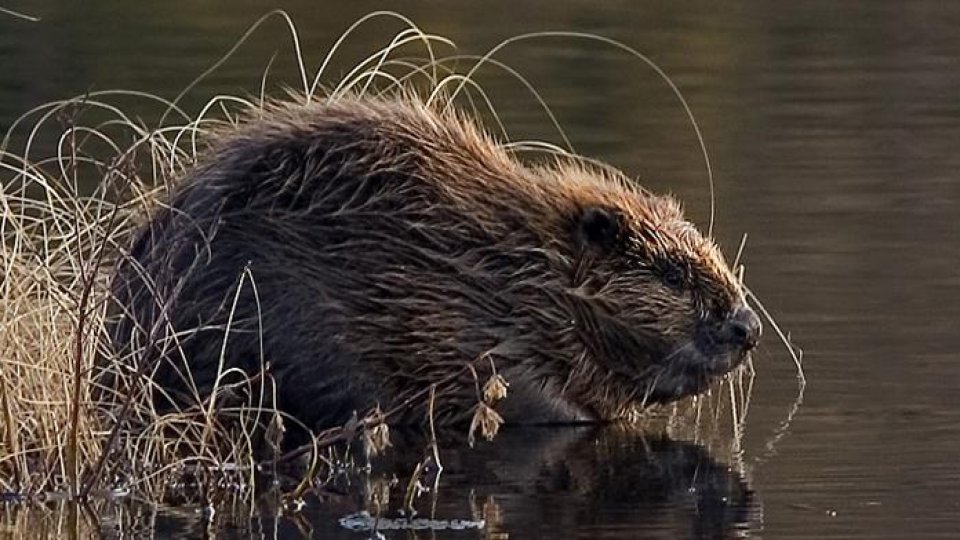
x,y
834,130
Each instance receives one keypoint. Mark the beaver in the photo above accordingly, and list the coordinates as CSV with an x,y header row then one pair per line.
x,y
364,249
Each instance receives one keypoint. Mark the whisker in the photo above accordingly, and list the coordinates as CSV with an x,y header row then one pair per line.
x,y
681,349
650,387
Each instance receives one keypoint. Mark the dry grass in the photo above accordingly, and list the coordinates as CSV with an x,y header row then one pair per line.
x,y
67,217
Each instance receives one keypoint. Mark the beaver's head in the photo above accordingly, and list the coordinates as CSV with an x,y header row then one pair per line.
x,y
656,307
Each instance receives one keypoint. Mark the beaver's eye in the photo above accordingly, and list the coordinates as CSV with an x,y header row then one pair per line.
x,y
599,228
674,277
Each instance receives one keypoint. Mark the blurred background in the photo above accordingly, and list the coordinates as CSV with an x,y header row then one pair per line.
x,y
833,131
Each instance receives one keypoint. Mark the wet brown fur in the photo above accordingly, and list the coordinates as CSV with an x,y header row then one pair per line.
x,y
391,243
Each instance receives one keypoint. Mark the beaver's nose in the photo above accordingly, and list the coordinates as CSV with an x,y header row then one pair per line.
x,y
743,328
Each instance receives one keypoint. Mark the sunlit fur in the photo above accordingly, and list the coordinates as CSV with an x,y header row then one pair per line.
x,y
390,244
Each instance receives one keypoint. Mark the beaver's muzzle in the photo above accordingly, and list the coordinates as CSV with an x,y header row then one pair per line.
x,y
741,329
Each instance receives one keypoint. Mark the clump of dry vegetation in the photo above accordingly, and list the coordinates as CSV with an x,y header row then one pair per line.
x,y
77,177
85,174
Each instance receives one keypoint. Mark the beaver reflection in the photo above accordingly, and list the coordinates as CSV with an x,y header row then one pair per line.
x,y
571,482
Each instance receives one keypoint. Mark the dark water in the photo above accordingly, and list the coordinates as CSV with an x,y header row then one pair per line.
x,y
834,130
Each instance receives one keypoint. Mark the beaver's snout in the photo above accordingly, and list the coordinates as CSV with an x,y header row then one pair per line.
x,y
742,328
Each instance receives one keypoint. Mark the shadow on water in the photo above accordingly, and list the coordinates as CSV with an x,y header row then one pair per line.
x,y
574,482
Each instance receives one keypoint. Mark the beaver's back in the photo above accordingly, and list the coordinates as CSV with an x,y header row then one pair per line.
x,y
299,230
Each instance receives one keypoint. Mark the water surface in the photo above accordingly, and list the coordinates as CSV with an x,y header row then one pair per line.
x,y
833,130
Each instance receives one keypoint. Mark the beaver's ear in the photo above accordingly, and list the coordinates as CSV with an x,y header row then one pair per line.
x,y
599,228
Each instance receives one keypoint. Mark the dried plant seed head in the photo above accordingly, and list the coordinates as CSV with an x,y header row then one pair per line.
x,y
485,421
377,438
494,389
